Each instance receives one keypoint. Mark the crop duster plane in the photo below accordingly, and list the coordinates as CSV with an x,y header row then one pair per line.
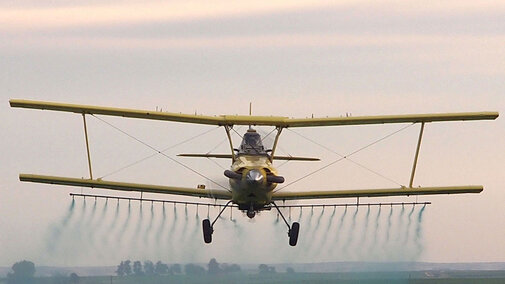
x,y
252,176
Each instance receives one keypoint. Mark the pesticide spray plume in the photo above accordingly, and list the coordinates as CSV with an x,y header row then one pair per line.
x,y
308,231
99,223
120,236
58,229
390,224
113,225
364,234
400,224
327,232
338,232
183,235
351,234
419,235
407,233
161,226
163,232
316,243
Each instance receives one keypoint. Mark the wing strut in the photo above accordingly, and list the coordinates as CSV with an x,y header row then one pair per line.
x,y
279,130
87,145
228,128
417,155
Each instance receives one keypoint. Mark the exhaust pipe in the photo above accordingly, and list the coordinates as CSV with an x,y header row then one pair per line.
x,y
232,175
275,179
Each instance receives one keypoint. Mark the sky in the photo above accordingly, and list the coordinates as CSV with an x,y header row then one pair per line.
x,y
289,58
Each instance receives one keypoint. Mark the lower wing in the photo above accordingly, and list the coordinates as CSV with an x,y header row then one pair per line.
x,y
123,186
404,191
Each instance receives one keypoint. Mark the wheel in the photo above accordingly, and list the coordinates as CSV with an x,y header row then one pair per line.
x,y
293,234
207,231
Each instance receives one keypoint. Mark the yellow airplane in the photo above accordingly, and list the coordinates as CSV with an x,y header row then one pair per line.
x,y
252,176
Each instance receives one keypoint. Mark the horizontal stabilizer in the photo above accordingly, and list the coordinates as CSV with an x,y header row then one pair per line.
x,y
97,183
228,156
292,195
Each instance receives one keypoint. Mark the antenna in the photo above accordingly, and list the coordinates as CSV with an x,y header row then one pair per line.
x,y
250,113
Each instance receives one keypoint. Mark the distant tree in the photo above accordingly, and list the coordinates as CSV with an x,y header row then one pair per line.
x,y
161,268
74,278
127,267
148,267
137,268
290,270
263,268
23,272
175,269
193,269
235,268
120,271
230,268
214,267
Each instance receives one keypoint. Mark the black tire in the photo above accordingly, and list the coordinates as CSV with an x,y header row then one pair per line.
x,y
207,231
293,234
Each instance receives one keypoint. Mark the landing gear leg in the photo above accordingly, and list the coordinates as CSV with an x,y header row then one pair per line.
x,y
292,230
251,213
208,228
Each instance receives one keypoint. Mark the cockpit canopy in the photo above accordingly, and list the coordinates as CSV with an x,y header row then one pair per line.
x,y
251,144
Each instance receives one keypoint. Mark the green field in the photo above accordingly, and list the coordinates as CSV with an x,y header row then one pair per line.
x,y
431,277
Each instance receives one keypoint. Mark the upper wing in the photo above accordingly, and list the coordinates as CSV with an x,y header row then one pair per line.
x,y
93,183
278,121
287,195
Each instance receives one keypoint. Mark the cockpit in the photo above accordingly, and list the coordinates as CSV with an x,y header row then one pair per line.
x,y
251,144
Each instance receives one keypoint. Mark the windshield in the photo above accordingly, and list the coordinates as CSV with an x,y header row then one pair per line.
x,y
251,144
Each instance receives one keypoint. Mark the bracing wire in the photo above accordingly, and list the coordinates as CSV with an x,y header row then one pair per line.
x,y
346,156
278,147
219,144
155,154
214,148
268,134
282,164
160,152
350,160
216,163
241,137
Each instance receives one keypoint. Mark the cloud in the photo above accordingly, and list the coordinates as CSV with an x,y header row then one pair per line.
x,y
251,24
72,16
328,40
89,14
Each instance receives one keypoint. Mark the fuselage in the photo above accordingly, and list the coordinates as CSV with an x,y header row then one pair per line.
x,y
252,176
253,188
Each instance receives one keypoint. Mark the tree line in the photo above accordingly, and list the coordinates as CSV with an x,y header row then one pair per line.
x,y
138,268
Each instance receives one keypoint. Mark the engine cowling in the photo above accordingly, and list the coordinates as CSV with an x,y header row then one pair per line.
x,y
238,176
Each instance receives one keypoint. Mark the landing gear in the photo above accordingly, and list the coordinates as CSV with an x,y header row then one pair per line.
x,y
207,231
292,230
293,234
208,228
251,213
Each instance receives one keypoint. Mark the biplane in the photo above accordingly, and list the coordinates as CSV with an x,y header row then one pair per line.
x,y
252,175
